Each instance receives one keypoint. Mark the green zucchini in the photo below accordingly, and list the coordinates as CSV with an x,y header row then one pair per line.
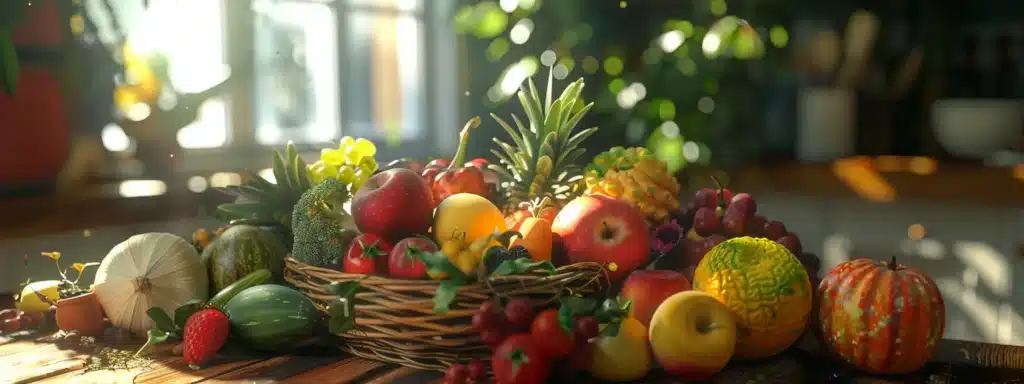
x,y
258,277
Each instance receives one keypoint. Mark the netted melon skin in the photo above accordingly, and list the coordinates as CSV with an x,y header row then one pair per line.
x,y
765,286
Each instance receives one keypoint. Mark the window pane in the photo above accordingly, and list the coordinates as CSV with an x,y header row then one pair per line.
x,y
296,73
401,5
385,73
191,37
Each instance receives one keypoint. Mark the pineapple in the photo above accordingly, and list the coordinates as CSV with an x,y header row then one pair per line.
x,y
540,164
261,202
637,177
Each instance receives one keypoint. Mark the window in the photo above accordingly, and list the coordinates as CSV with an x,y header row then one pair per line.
x,y
320,70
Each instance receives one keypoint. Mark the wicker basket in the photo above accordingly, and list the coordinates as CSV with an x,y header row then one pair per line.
x,y
395,319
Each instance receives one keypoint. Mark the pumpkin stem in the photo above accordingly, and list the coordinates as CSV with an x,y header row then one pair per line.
x,y
892,264
142,285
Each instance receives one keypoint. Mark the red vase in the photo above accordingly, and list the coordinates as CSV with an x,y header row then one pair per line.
x,y
35,129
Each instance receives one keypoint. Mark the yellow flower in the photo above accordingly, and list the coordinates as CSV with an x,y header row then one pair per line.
x,y
53,255
613,267
78,267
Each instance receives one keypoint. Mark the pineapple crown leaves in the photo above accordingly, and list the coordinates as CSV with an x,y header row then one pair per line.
x,y
264,200
547,143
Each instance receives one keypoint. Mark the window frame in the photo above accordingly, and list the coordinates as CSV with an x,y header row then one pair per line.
x,y
440,90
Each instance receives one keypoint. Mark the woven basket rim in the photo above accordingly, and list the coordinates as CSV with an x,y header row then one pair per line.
x,y
365,279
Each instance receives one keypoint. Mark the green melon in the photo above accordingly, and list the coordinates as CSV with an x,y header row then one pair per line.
x,y
242,250
271,317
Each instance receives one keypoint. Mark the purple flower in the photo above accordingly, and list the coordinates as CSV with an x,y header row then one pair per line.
x,y
666,237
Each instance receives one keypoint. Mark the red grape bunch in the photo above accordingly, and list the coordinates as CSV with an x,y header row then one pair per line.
x,y
548,342
718,215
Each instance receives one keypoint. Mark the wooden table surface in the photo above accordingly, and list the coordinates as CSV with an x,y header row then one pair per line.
x,y
28,359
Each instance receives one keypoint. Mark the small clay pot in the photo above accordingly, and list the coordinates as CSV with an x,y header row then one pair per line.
x,y
83,313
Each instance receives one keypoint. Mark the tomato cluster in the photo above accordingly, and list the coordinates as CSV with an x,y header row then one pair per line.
x,y
528,344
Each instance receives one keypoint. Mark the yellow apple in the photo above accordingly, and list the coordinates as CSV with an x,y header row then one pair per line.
x,y
623,357
692,335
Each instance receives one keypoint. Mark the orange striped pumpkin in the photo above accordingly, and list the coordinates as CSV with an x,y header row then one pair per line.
x,y
881,317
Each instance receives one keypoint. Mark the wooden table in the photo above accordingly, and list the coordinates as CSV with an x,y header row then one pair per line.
x,y
27,359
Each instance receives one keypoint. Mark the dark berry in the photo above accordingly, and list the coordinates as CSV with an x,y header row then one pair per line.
x,y
494,256
518,252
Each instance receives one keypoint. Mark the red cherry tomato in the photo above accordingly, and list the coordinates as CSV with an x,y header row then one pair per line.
x,y
552,338
518,361
403,263
367,254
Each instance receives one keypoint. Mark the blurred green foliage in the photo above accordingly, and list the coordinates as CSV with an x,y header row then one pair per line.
x,y
673,87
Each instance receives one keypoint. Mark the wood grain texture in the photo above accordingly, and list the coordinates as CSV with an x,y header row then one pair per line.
x,y
175,371
345,370
39,362
273,369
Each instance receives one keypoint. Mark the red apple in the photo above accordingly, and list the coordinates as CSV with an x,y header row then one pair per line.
x,y
646,289
395,204
602,229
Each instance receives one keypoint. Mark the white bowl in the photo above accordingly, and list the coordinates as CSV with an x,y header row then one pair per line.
x,y
975,128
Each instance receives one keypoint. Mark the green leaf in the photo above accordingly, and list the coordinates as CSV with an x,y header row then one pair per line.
x,y
182,313
9,67
581,305
343,289
565,318
612,329
153,337
161,320
249,210
342,314
446,292
281,173
612,310
342,310
438,263
524,265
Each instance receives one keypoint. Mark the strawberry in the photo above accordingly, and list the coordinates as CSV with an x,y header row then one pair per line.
x,y
205,332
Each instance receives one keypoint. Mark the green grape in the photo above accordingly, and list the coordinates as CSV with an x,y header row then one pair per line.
x,y
616,151
359,179
368,164
316,171
329,172
603,161
346,142
333,157
346,174
353,156
365,147
315,175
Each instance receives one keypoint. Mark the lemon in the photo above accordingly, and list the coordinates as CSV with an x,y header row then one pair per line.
x,y
467,213
29,301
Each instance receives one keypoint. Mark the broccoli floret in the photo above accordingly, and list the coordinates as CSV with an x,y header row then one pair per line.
x,y
322,229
